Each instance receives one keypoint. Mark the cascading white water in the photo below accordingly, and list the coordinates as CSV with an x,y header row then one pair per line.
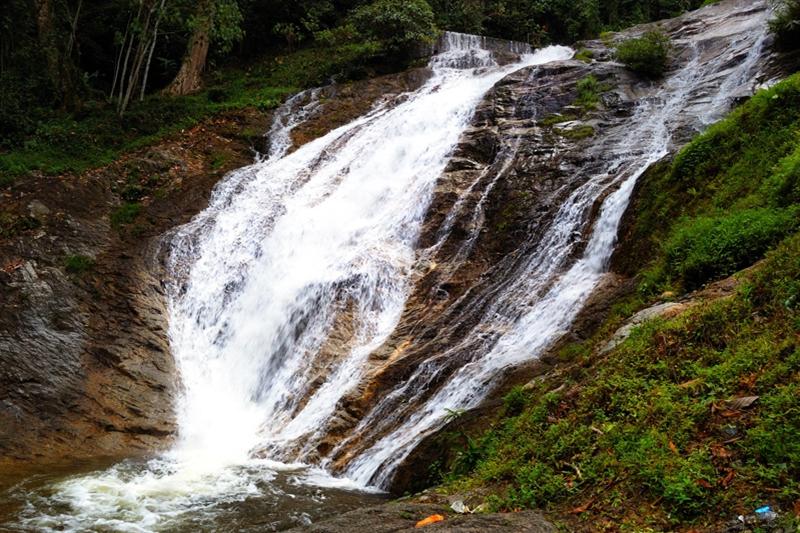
x,y
547,292
301,265
290,249
325,234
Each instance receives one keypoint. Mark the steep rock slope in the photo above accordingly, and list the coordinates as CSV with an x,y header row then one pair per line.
x,y
85,365
485,243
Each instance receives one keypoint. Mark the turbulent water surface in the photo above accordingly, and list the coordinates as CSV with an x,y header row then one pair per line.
x,y
301,267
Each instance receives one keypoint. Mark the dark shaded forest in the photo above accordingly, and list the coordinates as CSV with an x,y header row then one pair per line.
x,y
66,55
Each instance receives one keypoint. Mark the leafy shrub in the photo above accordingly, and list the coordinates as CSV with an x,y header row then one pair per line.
x,y
515,401
125,214
398,25
78,264
708,247
584,54
646,55
786,24
749,160
778,285
589,90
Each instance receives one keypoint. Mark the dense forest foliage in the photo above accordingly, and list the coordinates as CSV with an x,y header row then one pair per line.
x,y
60,54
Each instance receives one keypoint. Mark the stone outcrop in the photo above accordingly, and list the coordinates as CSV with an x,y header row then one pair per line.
x,y
530,145
85,365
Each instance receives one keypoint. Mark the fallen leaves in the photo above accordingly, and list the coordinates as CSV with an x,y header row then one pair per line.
x,y
583,508
721,452
749,381
744,402
673,448
726,481
703,483
692,384
733,408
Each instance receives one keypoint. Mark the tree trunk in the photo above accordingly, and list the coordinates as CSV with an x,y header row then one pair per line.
x,y
152,49
188,79
59,66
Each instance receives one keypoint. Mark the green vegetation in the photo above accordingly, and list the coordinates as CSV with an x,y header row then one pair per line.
x,y
589,91
584,54
397,26
85,114
646,55
563,21
63,143
658,419
711,247
125,214
557,118
692,419
577,133
728,197
786,23
91,79
78,264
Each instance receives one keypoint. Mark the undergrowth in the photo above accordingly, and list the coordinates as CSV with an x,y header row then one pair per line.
x,y
657,419
727,198
692,419
646,55
96,136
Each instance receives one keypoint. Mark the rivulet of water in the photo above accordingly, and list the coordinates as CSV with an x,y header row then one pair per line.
x,y
541,297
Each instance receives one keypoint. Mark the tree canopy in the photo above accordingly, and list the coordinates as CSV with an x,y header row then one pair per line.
x,y
67,54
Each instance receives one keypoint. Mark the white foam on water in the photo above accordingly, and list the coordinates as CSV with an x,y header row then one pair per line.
x,y
287,246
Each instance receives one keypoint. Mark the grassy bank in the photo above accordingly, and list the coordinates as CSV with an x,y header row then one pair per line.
x,y
695,419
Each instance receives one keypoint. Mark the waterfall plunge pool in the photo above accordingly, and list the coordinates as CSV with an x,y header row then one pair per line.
x,y
168,494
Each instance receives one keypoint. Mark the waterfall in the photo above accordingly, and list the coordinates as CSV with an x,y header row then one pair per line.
x,y
303,263
548,289
297,246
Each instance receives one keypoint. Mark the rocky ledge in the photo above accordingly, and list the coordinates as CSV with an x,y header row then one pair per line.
x,y
85,365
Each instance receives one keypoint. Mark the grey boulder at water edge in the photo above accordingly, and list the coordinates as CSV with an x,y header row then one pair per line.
x,y
336,302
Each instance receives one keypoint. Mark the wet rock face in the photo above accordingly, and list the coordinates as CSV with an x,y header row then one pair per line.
x,y
530,145
514,164
85,363
85,368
